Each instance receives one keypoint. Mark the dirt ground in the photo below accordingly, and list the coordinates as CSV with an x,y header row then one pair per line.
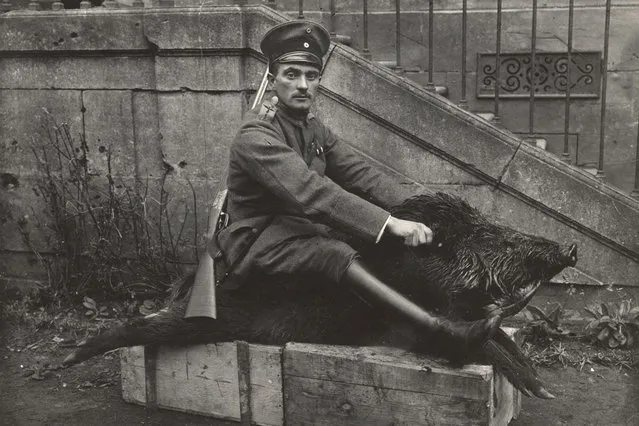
x,y
34,390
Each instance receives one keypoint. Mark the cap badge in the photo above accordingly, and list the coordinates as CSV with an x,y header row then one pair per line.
x,y
306,45
308,30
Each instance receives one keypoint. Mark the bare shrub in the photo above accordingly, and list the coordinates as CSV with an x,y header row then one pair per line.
x,y
105,238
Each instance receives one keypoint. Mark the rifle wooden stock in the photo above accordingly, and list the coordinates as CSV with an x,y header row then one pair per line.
x,y
202,298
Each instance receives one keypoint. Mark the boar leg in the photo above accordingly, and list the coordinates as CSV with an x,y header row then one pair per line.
x,y
507,358
367,286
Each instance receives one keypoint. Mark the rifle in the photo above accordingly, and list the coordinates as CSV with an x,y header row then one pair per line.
x,y
202,298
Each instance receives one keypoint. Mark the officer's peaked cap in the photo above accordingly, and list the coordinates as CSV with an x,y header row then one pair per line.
x,y
297,41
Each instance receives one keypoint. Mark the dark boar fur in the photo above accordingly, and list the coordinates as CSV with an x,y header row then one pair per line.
x,y
474,269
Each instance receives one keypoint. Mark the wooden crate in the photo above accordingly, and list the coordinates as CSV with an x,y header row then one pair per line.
x,y
316,384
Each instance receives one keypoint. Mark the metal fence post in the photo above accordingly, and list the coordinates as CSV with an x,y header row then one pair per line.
x,y
365,52
462,101
565,156
604,85
497,118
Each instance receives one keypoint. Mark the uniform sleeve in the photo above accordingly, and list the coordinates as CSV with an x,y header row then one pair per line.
x,y
353,172
259,151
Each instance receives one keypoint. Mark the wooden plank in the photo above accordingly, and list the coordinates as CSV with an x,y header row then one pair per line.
x,y
389,368
150,378
199,379
267,403
203,379
244,382
505,403
518,337
133,375
325,402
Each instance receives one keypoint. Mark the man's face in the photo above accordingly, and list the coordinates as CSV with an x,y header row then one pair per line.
x,y
296,85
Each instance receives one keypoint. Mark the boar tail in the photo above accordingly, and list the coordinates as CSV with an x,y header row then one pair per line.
x,y
507,358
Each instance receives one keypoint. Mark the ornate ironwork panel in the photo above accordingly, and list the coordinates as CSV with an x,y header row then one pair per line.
x,y
550,75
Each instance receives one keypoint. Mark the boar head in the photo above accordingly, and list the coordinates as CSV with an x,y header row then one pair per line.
x,y
474,268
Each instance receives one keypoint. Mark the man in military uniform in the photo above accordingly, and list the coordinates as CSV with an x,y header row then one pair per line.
x,y
290,179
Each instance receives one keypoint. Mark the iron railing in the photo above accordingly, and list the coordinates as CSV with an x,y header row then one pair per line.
x,y
534,79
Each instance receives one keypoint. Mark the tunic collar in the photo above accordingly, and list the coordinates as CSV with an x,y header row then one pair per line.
x,y
299,120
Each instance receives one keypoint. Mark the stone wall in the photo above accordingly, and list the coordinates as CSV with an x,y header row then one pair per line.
x,y
104,74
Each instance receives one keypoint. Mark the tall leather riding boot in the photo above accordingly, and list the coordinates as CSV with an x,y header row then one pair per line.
x,y
373,291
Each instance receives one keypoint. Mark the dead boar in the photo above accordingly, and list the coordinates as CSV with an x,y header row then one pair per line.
x,y
474,269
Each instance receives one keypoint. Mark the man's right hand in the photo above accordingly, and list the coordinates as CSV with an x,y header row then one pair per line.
x,y
413,233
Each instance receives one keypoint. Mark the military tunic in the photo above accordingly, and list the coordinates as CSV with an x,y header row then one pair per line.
x,y
290,179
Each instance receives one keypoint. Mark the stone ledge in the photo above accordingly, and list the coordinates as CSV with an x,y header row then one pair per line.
x,y
133,31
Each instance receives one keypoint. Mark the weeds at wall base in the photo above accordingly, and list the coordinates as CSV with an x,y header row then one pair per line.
x,y
104,238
